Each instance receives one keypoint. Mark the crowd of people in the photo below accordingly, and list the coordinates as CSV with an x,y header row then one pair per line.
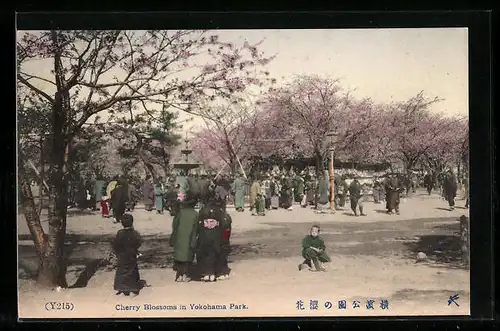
x,y
196,235
201,226
265,191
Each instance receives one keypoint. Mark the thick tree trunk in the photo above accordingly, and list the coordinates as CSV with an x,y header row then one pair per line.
x,y
319,163
30,213
52,271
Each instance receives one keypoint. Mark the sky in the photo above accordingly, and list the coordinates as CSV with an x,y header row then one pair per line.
x,y
383,64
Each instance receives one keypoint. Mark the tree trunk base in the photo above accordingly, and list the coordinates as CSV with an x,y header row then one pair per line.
x,y
52,273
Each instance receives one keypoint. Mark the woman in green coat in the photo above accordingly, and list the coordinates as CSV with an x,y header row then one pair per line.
x,y
183,238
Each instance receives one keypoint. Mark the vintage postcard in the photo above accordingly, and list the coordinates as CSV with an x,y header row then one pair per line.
x,y
243,173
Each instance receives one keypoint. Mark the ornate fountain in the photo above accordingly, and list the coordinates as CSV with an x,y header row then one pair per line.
x,y
185,165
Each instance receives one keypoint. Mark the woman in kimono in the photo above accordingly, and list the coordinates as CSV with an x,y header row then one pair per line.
x,y
126,248
159,198
183,237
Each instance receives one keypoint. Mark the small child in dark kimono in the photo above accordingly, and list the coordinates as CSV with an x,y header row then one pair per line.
x,y
126,246
313,250
213,239
209,243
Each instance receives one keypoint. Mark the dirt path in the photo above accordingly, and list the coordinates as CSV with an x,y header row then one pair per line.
x,y
373,258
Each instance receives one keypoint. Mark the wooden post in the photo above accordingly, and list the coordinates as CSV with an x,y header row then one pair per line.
x,y
332,181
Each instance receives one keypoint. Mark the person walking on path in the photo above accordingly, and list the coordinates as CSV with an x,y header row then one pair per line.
x,y
126,248
356,197
450,188
159,198
238,189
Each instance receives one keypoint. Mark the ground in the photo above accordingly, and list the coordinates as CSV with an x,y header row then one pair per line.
x,y
373,258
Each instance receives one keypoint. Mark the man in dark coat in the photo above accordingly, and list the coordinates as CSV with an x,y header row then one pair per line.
x,y
393,188
119,199
356,195
450,188
183,237
126,246
340,191
428,183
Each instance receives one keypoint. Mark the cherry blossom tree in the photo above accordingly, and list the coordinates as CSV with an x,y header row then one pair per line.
x,y
227,135
450,146
412,129
91,72
304,111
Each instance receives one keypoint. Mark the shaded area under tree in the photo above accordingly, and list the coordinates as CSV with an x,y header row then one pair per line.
x,y
441,243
